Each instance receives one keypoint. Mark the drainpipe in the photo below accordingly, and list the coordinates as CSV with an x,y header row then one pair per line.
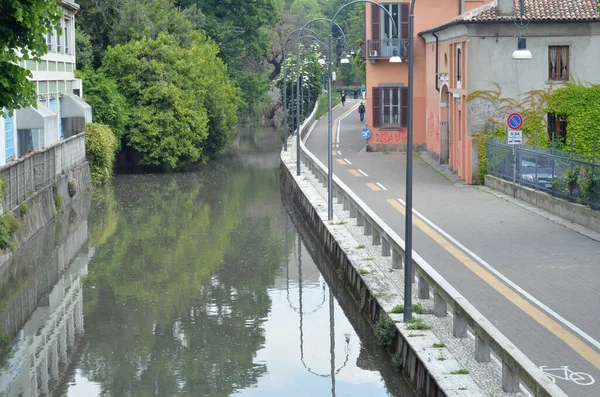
x,y
437,60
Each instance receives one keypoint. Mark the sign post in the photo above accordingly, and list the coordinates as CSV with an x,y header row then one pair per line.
x,y
514,137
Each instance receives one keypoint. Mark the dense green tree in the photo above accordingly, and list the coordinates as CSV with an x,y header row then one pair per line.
x,y
108,104
182,103
23,25
84,50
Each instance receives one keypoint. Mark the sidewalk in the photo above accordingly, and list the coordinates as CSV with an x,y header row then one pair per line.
x,y
536,279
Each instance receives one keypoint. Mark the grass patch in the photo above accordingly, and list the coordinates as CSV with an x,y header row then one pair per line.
x,y
369,259
338,223
360,247
462,388
58,201
439,345
417,308
461,371
379,294
415,335
364,271
441,358
324,103
417,323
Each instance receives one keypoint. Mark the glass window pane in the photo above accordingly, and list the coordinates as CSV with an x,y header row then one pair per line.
x,y
69,67
51,66
42,87
61,66
52,87
31,65
61,87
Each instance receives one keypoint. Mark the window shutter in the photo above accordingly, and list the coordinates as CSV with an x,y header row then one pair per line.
x,y
403,106
404,14
376,100
375,22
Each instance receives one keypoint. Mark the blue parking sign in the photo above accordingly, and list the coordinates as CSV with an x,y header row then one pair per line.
x,y
366,133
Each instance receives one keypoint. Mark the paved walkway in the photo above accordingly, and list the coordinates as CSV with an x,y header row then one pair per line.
x,y
537,280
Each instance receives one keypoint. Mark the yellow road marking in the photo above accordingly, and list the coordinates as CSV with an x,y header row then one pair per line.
x,y
341,161
374,187
555,328
355,173
334,153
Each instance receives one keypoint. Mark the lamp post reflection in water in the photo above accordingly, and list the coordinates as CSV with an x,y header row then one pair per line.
x,y
301,313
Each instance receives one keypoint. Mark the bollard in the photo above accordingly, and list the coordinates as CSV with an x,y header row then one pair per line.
x,y
368,228
459,326
510,381
376,237
440,307
423,288
353,212
482,350
397,259
385,247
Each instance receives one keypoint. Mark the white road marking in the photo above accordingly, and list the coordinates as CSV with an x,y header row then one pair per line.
x,y
340,153
362,172
501,276
380,185
347,161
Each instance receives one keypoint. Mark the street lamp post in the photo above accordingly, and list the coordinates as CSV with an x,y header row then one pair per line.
x,y
330,115
408,271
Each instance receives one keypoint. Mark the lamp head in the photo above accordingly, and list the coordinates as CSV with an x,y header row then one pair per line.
x,y
521,53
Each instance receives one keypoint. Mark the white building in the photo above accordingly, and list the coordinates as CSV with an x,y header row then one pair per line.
x,y
60,111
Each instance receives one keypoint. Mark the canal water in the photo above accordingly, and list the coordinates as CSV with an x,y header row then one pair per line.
x,y
198,283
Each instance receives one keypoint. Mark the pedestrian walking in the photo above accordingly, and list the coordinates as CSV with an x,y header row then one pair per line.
x,y
361,111
343,96
363,91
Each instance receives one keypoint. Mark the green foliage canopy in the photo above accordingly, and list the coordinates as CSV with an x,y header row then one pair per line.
x,y
23,25
182,103
100,149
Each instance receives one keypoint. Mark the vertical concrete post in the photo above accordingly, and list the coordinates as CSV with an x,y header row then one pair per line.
x,y
340,196
353,212
482,350
54,360
459,326
62,345
44,376
385,247
70,330
510,381
360,219
368,228
423,288
346,203
376,237
396,259
440,307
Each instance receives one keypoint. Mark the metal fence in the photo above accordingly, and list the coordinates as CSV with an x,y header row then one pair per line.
x,y
558,173
29,174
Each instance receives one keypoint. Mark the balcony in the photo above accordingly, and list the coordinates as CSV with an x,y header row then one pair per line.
x,y
387,48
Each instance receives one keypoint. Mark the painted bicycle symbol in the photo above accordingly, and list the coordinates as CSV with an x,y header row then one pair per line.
x,y
564,373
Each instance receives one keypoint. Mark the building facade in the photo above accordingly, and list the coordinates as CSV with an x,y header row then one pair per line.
x,y
472,53
60,111
387,35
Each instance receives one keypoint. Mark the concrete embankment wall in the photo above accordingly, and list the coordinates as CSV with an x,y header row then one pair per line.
x,y
576,213
414,370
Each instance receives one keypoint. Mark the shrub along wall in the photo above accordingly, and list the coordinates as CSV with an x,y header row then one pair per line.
x,y
100,150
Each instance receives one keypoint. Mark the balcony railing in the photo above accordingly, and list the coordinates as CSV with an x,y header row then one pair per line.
x,y
387,48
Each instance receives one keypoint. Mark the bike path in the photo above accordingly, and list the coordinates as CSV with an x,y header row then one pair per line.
x,y
537,281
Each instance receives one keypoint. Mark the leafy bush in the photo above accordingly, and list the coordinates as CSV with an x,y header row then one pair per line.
x,y
72,187
385,330
100,149
8,226
23,208
58,201
323,108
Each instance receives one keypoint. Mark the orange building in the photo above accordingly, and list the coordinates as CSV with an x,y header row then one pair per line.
x,y
387,83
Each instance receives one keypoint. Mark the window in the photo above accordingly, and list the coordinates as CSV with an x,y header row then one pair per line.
x,y
558,62
49,37
390,24
557,127
458,66
388,29
58,43
66,32
390,107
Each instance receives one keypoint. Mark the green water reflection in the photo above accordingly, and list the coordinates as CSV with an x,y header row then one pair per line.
x,y
183,290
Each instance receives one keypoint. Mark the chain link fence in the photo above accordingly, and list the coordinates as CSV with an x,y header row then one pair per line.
x,y
33,172
559,173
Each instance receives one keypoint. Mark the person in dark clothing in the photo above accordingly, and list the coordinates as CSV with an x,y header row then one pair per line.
x,y
361,111
343,96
